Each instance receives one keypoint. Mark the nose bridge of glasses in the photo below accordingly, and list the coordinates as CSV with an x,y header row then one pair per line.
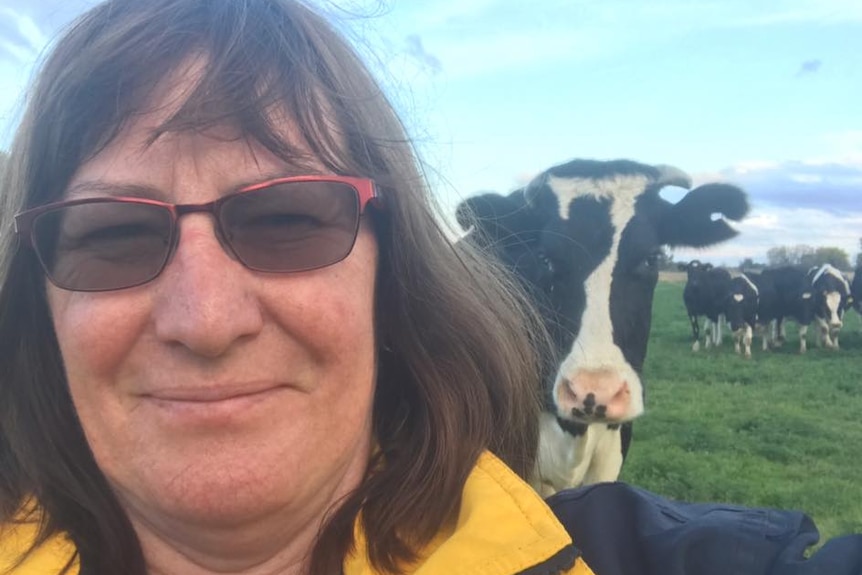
x,y
184,209
211,208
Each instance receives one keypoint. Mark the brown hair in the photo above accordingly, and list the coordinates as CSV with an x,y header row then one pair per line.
x,y
457,368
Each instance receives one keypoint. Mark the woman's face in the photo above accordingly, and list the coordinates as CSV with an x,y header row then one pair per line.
x,y
214,393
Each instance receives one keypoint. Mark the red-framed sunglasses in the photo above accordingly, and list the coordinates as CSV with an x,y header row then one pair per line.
x,y
284,225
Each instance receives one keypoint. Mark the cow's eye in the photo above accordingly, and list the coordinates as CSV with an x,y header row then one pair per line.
x,y
649,264
543,257
547,281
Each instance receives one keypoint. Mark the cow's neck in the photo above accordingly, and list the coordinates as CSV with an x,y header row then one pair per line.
x,y
565,460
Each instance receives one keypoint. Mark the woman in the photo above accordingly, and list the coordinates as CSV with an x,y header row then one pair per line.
x,y
234,339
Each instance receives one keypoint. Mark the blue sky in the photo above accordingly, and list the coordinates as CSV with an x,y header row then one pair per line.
x,y
764,94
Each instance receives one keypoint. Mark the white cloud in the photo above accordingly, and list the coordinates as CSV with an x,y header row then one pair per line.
x,y
806,178
768,227
22,36
752,166
813,202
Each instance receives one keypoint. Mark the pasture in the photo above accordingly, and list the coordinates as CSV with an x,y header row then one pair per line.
x,y
779,430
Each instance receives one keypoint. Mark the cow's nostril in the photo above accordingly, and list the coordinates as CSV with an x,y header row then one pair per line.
x,y
618,405
567,393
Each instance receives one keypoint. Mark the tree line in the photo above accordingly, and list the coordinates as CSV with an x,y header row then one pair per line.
x,y
807,256
801,255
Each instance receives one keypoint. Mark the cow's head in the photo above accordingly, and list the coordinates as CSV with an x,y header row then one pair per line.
x,y
585,237
696,272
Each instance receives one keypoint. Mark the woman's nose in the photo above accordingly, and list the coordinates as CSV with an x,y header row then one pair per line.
x,y
205,299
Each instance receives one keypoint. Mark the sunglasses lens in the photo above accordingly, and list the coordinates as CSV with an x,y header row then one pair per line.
x,y
104,245
292,226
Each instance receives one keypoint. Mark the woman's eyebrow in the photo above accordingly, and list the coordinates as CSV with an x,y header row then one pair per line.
x,y
274,175
98,188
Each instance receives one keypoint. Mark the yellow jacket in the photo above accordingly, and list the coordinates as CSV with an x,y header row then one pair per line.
x,y
48,559
503,528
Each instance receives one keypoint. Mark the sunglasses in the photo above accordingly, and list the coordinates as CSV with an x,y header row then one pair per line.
x,y
284,225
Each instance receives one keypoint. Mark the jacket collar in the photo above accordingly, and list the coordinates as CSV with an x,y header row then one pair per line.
x,y
503,528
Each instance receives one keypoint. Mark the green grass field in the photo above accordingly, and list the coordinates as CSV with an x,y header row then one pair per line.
x,y
779,430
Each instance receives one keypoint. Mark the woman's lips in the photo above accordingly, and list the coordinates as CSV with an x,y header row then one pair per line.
x,y
212,393
214,404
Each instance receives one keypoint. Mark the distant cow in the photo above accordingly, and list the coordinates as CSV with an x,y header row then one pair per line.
x,y
831,293
741,311
704,294
750,305
585,238
793,299
856,290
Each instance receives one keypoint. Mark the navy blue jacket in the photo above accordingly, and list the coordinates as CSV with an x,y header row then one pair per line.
x,y
624,530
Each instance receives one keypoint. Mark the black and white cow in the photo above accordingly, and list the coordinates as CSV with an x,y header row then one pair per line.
x,y
740,309
793,299
705,291
750,307
831,293
856,290
585,237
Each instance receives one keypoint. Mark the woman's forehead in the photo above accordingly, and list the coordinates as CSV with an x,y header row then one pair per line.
x,y
150,141
181,99
207,161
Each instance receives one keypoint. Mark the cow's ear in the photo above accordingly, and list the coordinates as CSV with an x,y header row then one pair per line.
x,y
700,218
707,267
492,218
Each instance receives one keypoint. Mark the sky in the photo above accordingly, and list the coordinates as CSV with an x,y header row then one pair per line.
x,y
766,95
